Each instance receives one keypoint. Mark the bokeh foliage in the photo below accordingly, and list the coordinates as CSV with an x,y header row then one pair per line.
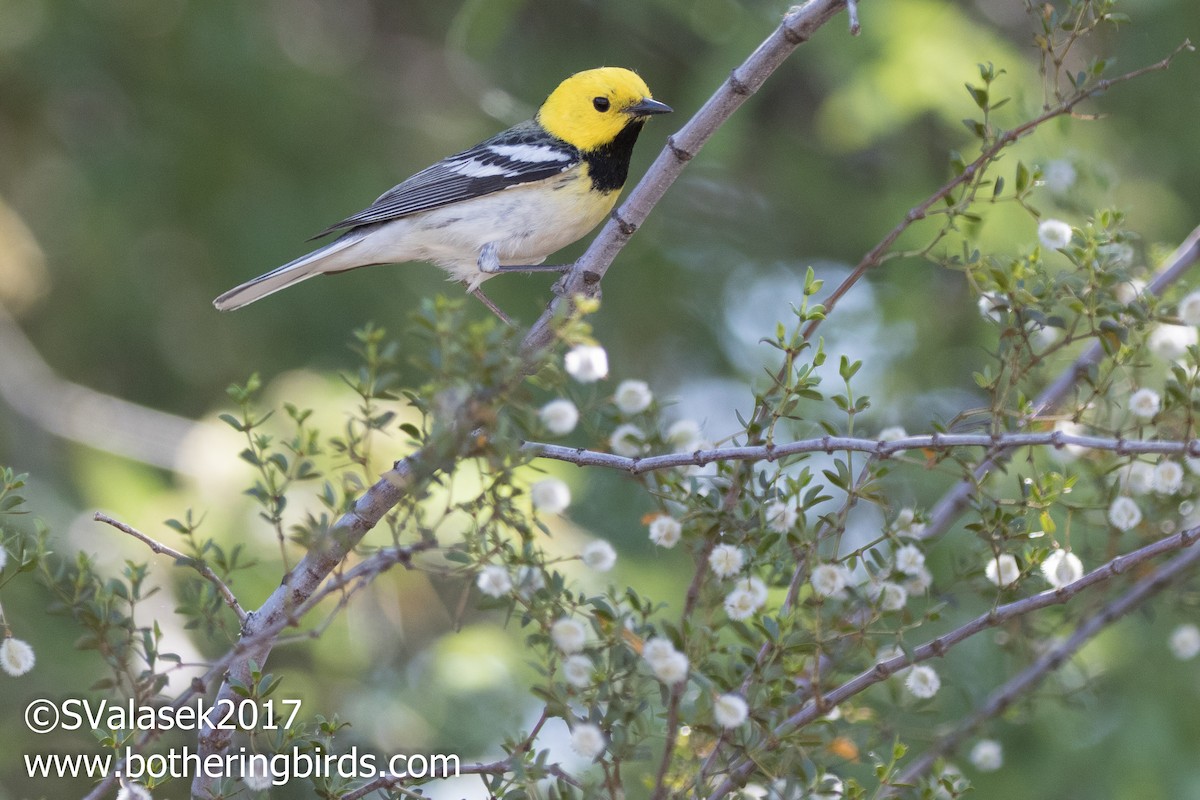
x,y
159,151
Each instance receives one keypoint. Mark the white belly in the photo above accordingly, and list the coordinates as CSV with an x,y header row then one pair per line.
x,y
525,223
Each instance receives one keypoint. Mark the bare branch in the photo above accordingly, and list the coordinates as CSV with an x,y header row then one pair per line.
x,y
585,275
1051,660
999,443
938,647
184,560
955,501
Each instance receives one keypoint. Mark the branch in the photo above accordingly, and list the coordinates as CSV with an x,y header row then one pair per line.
x,y
80,414
954,502
181,559
999,443
938,647
877,254
585,274
1028,678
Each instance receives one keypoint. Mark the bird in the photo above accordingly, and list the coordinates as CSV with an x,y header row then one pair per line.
x,y
503,205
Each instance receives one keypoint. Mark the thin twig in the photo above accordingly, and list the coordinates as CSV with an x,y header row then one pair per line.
x,y
876,255
938,647
1051,660
185,560
955,501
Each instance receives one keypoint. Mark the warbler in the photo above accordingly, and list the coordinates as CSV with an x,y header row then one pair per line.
x,y
505,204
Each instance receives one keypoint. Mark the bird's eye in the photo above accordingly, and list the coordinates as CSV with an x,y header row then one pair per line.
x,y
601,104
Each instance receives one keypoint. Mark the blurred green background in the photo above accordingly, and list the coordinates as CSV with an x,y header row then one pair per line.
x,y
154,153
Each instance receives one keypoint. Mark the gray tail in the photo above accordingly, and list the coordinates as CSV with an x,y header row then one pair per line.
x,y
330,258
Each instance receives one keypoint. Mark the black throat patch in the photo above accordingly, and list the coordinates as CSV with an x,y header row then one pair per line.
x,y
608,165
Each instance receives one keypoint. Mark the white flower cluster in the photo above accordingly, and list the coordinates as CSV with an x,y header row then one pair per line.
x,y
730,710
1062,568
588,740
586,363
668,664
748,596
569,635
1185,642
494,581
16,656
665,531
1054,234
550,495
599,555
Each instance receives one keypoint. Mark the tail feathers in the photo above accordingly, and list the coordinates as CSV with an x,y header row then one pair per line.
x,y
330,258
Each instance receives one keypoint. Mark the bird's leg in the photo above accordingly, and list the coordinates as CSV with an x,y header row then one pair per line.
x,y
495,309
489,263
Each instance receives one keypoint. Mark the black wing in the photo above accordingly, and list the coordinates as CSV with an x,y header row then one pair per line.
x,y
521,154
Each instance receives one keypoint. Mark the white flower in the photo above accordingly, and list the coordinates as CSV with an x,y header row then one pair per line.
x,y
599,555
922,682
665,531
671,669
1189,309
550,495
627,440
906,523
586,363
1168,477
656,649
577,671
780,516
892,434
1002,570
992,307
910,560
1193,464
684,436
1124,513
494,581
3,558
1185,642
739,604
726,560
569,635
587,740
919,583
1129,291
258,777
16,656
633,397
730,710
756,588
559,416
1170,342
829,579
1145,403
1068,452
1059,176
134,791
1137,477
987,755
1061,568
891,596
1054,233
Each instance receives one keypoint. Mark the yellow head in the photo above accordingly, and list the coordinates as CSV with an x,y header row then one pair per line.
x,y
590,108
